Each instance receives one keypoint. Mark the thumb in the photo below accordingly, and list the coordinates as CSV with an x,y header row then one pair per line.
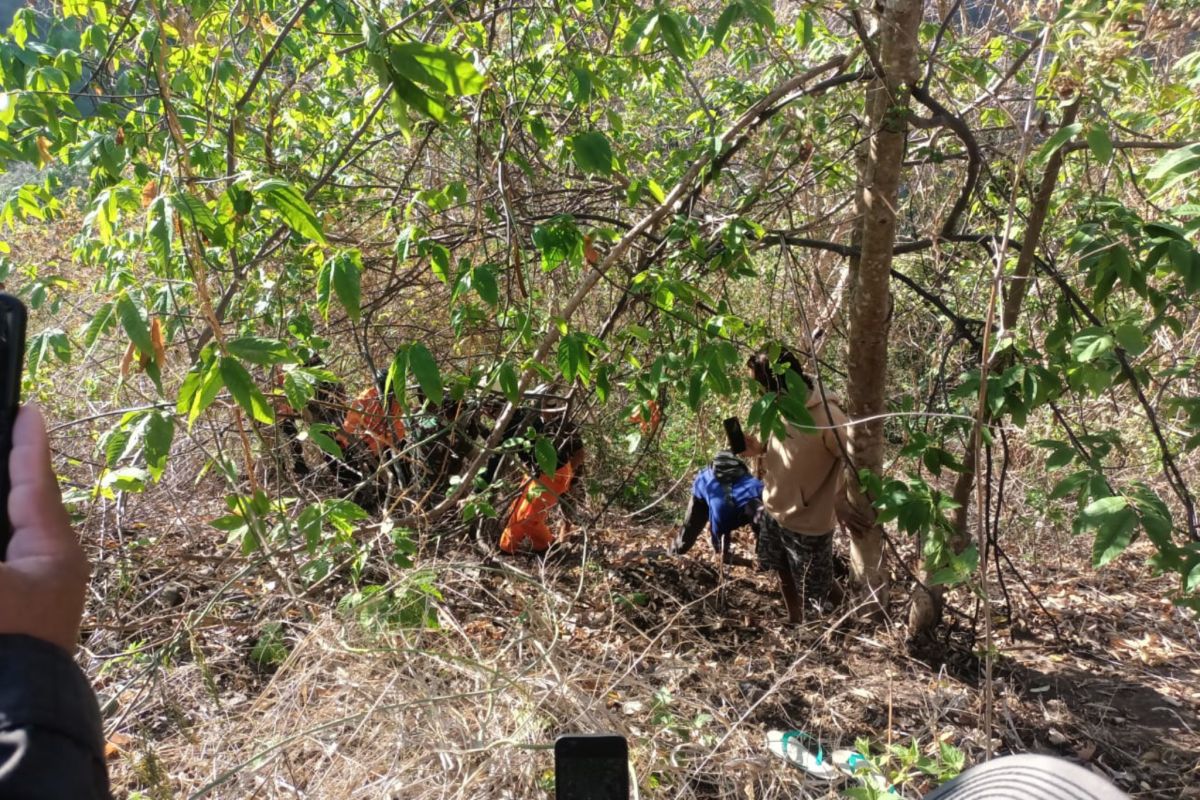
x,y
40,524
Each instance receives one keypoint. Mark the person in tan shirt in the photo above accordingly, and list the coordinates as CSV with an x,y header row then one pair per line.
x,y
803,494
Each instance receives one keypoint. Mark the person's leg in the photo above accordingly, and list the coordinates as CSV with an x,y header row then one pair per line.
x,y
773,555
820,569
811,561
792,599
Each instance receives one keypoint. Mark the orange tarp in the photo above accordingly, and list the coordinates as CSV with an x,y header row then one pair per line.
x,y
528,519
367,420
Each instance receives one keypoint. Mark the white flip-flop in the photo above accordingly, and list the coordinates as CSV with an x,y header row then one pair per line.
x,y
786,745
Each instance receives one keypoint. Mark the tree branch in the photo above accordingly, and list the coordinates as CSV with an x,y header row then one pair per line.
x,y
946,118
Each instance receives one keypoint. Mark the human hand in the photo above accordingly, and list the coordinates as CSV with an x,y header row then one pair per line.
x,y
857,520
45,574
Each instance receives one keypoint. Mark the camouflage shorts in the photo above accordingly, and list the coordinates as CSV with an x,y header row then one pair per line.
x,y
809,557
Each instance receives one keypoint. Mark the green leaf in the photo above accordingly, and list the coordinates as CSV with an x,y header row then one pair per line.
x,y
1060,137
102,320
396,382
347,268
804,27
570,357
24,23
1114,522
592,152
244,391
762,13
559,240
424,368
507,379
1175,166
160,433
439,262
191,209
125,479
261,350
670,29
198,392
545,455
1061,457
1100,143
299,387
134,323
1090,344
111,157
318,434
115,444
283,198
51,341
642,27
1069,485
1155,516
158,230
579,84
416,97
438,68
1192,582
731,14
484,280
1131,339
324,288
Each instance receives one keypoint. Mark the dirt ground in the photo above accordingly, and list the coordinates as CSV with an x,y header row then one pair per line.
x,y
605,634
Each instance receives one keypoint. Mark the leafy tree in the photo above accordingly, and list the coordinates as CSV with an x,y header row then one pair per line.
x,y
626,198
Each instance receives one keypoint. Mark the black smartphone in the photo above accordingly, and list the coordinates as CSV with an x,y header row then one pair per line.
x,y
12,364
734,435
591,767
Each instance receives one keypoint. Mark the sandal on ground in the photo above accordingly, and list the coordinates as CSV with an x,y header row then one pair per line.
x,y
786,745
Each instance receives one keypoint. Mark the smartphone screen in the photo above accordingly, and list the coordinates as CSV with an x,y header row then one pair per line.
x,y
734,435
12,364
591,767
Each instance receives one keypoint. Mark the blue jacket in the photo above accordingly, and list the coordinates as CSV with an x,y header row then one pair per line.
x,y
726,506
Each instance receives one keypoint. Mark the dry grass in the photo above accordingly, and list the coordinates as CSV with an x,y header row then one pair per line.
x,y
691,670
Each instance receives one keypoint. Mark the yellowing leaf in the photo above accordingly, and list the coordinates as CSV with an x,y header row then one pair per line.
x,y
160,346
43,146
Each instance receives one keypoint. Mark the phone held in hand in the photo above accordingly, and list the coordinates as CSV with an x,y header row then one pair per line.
x,y
591,767
734,435
12,364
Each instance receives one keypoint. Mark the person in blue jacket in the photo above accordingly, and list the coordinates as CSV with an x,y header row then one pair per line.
x,y
725,496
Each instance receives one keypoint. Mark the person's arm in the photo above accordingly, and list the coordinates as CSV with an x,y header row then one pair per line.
x,y
51,743
694,520
836,437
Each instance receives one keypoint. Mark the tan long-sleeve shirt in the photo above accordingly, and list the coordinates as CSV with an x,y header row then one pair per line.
x,y
803,473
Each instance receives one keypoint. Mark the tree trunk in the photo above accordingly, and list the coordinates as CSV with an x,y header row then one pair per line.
x,y
925,613
870,303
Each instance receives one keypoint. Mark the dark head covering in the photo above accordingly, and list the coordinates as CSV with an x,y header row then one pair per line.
x,y
728,468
